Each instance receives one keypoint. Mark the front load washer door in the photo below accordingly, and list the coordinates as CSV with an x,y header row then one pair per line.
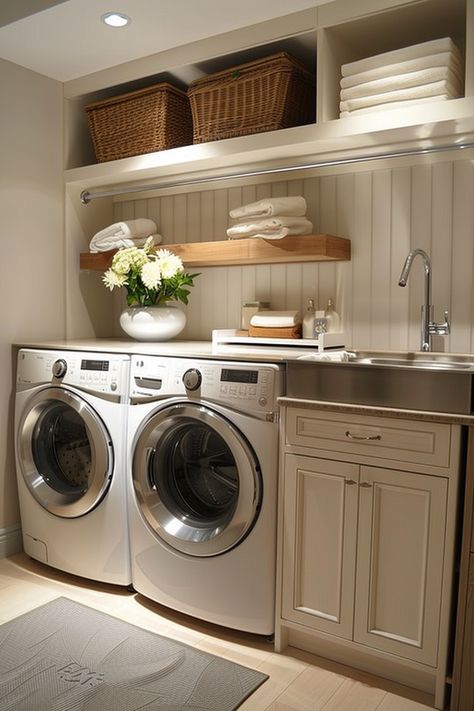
x,y
196,479
65,453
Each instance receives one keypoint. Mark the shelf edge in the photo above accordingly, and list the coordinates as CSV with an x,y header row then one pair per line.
x,y
297,248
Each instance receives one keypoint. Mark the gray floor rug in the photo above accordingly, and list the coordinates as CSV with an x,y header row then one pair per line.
x,y
64,656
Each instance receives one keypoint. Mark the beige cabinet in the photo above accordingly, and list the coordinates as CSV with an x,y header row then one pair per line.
x,y
367,524
393,524
400,544
320,512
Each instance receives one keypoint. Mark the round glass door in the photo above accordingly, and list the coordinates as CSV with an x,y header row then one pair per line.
x,y
65,453
196,479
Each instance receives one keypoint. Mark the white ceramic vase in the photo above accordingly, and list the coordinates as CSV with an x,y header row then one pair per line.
x,y
153,323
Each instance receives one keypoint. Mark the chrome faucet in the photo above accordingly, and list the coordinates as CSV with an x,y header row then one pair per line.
x,y
428,327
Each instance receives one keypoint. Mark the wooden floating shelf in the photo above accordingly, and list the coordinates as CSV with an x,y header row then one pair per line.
x,y
304,248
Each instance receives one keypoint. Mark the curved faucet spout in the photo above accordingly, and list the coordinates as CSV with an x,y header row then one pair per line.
x,y
428,327
409,261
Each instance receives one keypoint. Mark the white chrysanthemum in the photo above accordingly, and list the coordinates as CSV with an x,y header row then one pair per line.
x,y
112,279
169,263
151,275
126,259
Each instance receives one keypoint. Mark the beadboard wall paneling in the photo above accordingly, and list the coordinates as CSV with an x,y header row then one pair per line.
x,y
385,212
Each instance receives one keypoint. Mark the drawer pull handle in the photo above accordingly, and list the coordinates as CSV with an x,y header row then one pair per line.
x,y
365,438
365,484
350,482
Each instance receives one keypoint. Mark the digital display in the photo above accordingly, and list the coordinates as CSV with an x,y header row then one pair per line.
x,y
95,365
239,376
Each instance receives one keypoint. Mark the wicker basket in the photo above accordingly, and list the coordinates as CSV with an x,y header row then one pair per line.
x,y
143,121
264,95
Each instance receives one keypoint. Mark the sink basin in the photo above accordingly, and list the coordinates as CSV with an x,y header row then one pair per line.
x,y
430,361
398,359
432,382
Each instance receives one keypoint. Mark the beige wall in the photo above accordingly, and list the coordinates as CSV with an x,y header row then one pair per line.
x,y
31,237
385,211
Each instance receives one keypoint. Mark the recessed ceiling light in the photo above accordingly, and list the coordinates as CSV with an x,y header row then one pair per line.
x,y
115,19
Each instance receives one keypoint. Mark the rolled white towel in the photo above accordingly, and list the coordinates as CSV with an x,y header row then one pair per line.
x,y
128,230
394,105
444,44
272,206
275,319
108,243
401,81
271,228
416,92
441,59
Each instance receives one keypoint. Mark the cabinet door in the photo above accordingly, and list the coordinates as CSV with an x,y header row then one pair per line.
x,y
320,520
402,518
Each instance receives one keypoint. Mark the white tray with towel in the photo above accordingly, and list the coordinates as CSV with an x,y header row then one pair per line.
x,y
230,337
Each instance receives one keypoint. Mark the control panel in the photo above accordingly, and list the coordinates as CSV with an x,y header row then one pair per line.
x,y
246,386
94,372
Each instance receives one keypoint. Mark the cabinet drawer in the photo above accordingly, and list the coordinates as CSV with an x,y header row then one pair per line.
x,y
385,438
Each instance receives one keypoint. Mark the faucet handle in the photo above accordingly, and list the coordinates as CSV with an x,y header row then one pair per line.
x,y
447,323
441,329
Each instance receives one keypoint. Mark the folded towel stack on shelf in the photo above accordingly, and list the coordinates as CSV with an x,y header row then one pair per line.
x,y
129,233
430,71
275,324
273,218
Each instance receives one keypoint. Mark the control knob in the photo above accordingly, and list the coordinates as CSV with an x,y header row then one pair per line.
x,y
59,368
192,379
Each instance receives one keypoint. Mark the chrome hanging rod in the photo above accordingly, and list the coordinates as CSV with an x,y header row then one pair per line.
x,y
87,196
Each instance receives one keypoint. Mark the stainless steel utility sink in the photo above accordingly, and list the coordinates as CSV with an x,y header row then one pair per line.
x,y
433,382
407,359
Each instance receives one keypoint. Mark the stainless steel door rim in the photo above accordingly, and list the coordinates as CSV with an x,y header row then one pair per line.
x,y
72,502
165,508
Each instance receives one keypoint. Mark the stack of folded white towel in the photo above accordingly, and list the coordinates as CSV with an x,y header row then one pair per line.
x,y
272,218
129,233
430,71
275,324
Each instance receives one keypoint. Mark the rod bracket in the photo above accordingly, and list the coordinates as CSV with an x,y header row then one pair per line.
x,y
85,197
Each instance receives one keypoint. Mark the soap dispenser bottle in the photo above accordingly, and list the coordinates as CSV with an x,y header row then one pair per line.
x,y
332,317
308,320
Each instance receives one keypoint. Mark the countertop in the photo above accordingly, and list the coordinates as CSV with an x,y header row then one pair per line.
x,y
177,348
206,349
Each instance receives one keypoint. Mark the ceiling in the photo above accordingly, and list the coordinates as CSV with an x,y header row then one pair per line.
x,y
65,39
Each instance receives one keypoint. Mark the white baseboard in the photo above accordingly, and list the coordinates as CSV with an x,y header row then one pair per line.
x,y
10,540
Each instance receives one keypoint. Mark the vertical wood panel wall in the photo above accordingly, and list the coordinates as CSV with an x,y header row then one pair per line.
x,y
385,212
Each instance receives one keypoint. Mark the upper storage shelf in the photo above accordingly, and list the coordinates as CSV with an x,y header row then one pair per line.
x,y
307,248
323,38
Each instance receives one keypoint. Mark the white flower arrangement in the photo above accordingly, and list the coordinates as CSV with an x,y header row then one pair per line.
x,y
150,276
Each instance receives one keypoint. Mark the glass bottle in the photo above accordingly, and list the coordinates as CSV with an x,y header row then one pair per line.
x,y
308,320
332,317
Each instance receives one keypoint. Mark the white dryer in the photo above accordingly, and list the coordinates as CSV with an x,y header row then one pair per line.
x,y
203,439
70,428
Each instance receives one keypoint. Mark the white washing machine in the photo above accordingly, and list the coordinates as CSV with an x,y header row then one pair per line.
x,y
203,439
70,428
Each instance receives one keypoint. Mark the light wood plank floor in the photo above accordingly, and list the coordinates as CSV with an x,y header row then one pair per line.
x,y
298,681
